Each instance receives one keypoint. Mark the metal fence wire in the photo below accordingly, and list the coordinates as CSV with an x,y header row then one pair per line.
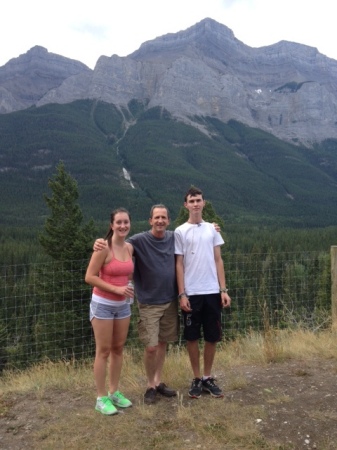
x,y
45,307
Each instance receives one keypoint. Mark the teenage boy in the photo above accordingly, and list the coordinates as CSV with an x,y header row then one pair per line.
x,y
202,290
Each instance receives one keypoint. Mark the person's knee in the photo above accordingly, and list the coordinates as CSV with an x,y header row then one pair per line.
x,y
117,349
103,351
151,351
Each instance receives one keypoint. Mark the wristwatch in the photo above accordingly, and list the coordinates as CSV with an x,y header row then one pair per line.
x,y
183,294
225,290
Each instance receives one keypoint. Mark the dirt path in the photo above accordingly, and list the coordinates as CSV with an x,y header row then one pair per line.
x,y
298,400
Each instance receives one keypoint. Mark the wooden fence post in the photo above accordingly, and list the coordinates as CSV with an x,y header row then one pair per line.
x,y
334,286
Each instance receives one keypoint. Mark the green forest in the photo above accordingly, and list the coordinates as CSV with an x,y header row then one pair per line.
x,y
251,177
277,277
62,172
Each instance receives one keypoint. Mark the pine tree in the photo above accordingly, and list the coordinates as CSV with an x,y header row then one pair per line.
x,y
63,328
64,238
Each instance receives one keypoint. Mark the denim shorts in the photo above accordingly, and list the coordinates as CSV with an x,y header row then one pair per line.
x,y
109,312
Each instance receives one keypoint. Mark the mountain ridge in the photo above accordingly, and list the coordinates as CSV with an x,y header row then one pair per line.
x,y
253,128
286,89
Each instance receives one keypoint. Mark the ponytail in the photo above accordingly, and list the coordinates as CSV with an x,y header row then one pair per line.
x,y
108,236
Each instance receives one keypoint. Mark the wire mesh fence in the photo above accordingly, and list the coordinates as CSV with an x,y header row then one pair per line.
x,y
45,307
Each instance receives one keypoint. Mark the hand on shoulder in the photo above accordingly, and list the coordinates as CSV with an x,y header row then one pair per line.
x,y
100,244
216,226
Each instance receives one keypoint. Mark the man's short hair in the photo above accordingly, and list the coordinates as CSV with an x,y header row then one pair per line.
x,y
159,205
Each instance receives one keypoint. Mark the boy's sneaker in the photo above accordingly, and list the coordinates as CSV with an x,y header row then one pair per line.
x,y
119,400
104,405
196,388
208,385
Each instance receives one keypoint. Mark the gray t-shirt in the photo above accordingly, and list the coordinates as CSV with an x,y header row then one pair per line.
x,y
154,272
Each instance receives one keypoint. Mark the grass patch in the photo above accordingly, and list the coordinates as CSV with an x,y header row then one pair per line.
x,y
53,403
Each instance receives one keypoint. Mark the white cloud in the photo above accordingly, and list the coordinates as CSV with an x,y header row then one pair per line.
x,y
85,30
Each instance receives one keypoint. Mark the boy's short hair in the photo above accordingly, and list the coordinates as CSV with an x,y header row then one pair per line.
x,y
193,192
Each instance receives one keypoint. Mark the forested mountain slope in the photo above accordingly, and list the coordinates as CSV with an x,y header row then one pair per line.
x,y
136,157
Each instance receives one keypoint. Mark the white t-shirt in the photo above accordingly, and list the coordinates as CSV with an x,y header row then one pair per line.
x,y
196,243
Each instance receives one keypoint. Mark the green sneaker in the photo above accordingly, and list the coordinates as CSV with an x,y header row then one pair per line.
x,y
119,400
104,405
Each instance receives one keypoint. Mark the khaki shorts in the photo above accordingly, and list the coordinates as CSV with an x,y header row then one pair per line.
x,y
158,323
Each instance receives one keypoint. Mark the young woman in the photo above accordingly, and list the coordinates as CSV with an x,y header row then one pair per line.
x,y
109,272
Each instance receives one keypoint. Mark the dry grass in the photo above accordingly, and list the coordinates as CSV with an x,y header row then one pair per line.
x,y
59,399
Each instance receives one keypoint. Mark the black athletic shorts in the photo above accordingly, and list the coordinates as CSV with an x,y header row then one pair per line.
x,y
205,314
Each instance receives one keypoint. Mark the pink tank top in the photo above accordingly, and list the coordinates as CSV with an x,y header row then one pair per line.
x,y
117,273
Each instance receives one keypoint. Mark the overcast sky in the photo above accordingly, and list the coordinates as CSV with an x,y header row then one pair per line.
x,y
84,30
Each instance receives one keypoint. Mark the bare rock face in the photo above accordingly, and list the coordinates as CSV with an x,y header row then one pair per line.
x,y
24,80
286,89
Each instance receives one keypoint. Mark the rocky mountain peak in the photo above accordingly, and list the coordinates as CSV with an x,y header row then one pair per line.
x,y
206,33
26,79
286,88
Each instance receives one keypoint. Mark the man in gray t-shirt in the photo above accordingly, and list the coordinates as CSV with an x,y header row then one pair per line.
x,y
156,289
154,273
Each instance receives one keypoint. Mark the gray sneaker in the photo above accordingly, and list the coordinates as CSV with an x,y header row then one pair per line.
x,y
209,385
196,388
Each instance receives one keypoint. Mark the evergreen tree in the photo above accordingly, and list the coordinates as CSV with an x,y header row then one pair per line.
x,y
62,328
64,238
